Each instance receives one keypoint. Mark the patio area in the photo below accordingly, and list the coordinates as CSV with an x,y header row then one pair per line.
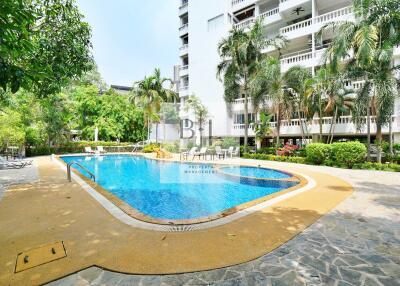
x,y
356,243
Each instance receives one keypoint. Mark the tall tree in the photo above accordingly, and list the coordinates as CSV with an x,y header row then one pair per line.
x,y
201,113
297,81
44,44
150,93
240,55
269,82
367,46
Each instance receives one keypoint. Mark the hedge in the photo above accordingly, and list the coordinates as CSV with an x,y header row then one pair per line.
x,y
291,159
70,148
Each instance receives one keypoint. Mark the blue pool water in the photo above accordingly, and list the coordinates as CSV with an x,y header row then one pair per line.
x,y
172,190
260,173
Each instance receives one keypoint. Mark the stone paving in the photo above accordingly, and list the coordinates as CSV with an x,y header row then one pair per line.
x,y
9,177
357,243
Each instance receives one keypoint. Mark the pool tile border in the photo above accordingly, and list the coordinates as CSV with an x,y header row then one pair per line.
x,y
129,215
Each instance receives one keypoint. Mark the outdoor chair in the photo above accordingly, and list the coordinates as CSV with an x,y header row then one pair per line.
x,y
230,150
89,150
203,152
185,155
375,150
101,149
11,164
235,152
219,153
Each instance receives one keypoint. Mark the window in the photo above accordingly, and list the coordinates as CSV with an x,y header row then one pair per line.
x,y
215,22
239,118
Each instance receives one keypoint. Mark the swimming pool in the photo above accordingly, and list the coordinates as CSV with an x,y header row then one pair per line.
x,y
173,191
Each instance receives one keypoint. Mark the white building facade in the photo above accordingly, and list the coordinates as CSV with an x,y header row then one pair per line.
x,y
204,24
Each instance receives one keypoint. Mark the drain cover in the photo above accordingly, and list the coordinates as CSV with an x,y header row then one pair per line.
x,y
39,256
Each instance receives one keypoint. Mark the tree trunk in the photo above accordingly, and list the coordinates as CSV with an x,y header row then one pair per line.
x,y
246,118
157,132
278,129
301,125
368,133
320,121
148,129
379,141
391,136
201,132
333,124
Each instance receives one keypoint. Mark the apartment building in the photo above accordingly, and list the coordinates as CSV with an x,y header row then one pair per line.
x,y
203,25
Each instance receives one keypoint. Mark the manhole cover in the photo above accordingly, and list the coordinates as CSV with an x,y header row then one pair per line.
x,y
38,256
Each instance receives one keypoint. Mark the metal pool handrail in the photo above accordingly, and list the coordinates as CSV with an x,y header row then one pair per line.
x,y
92,176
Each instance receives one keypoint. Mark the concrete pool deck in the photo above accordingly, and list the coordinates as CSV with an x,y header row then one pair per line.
x,y
51,210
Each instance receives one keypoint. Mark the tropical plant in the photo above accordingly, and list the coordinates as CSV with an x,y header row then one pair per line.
x,y
201,113
149,94
44,44
240,55
327,94
297,80
367,46
269,80
262,128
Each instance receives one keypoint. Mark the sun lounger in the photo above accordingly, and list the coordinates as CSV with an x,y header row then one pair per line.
x,y
185,155
101,149
11,164
89,150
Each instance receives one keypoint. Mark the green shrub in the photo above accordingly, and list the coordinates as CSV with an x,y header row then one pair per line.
x,y
150,148
171,147
267,150
269,157
348,153
317,153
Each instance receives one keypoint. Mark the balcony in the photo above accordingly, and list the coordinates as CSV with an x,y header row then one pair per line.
x,y
305,59
268,17
344,126
240,4
184,91
238,130
184,29
238,105
184,8
184,50
184,71
315,24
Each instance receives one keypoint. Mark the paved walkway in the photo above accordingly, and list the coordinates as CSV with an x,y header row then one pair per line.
x,y
358,243
10,177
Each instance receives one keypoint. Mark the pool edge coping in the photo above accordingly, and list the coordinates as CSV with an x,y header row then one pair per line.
x,y
130,216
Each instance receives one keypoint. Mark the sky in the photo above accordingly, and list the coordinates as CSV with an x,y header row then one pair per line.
x,y
131,37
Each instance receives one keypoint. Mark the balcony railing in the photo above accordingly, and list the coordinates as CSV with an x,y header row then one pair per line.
x,y
302,57
344,125
247,23
184,88
322,19
184,47
183,68
237,2
183,27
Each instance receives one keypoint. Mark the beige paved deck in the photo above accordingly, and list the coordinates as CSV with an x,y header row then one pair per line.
x,y
52,210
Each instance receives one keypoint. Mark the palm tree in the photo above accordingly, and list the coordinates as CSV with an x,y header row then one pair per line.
x,y
150,94
296,80
328,95
269,80
201,113
263,128
367,47
240,55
